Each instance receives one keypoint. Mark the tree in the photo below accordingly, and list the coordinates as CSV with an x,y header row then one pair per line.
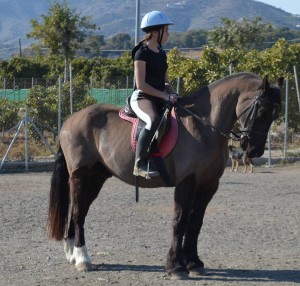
x,y
190,39
62,31
8,114
195,38
240,34
93,43
283,33
120,41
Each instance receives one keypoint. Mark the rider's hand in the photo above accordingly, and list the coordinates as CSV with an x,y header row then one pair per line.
x,y
173,97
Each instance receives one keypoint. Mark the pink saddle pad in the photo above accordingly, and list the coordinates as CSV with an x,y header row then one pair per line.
x,y
169,139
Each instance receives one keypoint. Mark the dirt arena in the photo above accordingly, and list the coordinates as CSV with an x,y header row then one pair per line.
x,y
251,233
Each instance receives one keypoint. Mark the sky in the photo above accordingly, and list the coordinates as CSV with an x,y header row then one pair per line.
x,y
291,6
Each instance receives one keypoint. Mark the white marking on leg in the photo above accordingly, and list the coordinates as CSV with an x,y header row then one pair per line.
x,y
81,256
69,248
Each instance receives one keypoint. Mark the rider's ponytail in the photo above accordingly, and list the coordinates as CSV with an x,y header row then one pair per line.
x,y
135,49
146,38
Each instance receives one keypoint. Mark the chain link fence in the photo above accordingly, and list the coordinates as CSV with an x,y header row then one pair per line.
x,y
28,138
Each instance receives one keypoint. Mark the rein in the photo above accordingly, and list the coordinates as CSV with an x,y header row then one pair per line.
x,y
248,125
235,136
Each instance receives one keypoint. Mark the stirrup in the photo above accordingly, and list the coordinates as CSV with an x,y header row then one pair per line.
x,y
148,173
148,177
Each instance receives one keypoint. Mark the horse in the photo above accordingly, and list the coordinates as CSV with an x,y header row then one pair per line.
x,y
94,145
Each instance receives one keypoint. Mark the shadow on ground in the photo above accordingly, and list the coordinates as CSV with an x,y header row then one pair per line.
x,y
234,275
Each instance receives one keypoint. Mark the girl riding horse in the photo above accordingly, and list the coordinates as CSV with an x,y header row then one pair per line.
x,y
151,79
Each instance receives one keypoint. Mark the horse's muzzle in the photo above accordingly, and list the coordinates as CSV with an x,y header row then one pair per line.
x,y
255,152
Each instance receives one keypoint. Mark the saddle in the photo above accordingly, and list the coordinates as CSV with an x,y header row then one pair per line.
x,y
165,137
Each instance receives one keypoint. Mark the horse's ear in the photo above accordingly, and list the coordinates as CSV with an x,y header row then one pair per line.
x,y
280,82
265,84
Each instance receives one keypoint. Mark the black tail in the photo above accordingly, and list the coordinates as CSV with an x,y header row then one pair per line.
x,y
59,198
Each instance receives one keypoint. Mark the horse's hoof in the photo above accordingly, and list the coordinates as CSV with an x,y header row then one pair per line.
x,y
198,271
71,259
179,276
84,267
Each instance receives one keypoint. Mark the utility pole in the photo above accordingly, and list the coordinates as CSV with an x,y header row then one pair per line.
x,y
137,21
20,47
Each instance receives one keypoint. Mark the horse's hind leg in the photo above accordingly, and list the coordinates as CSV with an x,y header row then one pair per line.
x,y
203,196
69,241
85,185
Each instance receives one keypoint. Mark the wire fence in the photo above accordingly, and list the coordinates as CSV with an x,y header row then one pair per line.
x,y
18,89
28,138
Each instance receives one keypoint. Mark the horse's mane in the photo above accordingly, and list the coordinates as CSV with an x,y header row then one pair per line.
x,y
223,81
240,75
216,92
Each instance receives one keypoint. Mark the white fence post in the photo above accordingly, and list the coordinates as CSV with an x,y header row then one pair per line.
x,y
127,83
269,148
178,85
26,139
4,87
286,117
297,87
71,90
59,105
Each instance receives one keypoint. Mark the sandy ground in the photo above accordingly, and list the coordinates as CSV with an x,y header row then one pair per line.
x,y
251,233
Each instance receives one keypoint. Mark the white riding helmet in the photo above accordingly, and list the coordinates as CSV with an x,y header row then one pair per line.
x,y
154,19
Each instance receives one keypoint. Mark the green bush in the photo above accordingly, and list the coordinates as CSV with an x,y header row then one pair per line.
x,y
9,114
42,104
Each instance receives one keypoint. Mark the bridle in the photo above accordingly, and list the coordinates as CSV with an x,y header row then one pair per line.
x,y
252,109
247,128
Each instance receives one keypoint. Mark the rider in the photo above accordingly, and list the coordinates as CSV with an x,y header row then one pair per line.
x,y
153,88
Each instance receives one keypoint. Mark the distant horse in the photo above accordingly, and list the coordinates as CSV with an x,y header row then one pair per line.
x,y
95,145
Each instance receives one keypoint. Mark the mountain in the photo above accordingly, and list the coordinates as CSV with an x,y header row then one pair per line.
x,y
115,16
119,15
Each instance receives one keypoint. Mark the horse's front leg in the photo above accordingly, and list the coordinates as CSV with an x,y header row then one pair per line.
x,y
190,251
176,266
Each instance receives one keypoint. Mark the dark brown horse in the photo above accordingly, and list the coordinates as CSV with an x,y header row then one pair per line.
x,y
95,145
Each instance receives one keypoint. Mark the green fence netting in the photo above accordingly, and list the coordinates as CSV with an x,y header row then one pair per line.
x,y
102,95
112,96
14,94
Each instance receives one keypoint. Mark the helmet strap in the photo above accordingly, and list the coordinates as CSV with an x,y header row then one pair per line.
x,y
160,36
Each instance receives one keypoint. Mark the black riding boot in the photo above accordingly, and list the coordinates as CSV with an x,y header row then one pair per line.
x,y
142,155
